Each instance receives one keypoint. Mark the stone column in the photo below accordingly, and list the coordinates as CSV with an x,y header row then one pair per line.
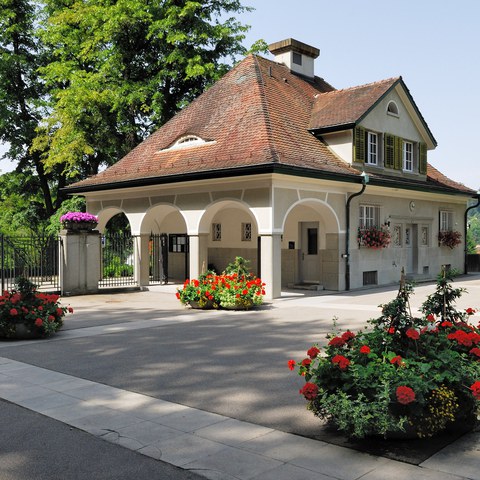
x,y
198,254
271,265
141,259
80,262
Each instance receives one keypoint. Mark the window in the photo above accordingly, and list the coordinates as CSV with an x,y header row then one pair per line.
x,y
397,236
372,148
369,216
425,236
408,156
446,221
297,58
392,109
216,232
246,232
312,235
177,243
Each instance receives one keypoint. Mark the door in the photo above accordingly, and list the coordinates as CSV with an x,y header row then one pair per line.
x,y
309,257
411,245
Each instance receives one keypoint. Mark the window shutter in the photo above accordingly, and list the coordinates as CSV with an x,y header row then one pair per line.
x,y
422,164
389,157
359,145
398,156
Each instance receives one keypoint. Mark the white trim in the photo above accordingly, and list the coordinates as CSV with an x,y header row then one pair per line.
x,y
372,148
393,113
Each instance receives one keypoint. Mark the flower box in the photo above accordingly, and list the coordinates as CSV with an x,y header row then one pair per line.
x,y
449,238
374,237
78,222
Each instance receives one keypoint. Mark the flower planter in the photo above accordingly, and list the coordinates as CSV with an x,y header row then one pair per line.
x,y
23,332
79,227
204,306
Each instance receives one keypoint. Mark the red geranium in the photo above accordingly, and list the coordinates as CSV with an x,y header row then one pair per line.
x,y
291,364
38,322
397,361
475,388
470,311
313,352
306,362
13,312
348,335
413,334
446,324
365,349
405,395
337,342
309,391
341,361
431,317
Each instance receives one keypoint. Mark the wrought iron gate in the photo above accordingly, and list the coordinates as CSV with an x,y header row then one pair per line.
x,y
158,253
117,260
35,258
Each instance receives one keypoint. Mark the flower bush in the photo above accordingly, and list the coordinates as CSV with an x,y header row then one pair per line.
x,y
374,237
449,238
420,374
40,313
237,289
78,217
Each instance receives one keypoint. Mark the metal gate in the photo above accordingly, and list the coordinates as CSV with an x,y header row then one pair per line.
x,y
158,254
34,257
117,260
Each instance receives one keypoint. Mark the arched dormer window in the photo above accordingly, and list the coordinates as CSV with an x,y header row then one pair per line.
x,y
188,141
392,109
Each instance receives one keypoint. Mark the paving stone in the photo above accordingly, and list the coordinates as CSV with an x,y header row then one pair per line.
x,y
191,419
290,472
47,402
147,433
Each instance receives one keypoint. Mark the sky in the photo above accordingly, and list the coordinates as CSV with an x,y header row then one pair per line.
x,y
433,45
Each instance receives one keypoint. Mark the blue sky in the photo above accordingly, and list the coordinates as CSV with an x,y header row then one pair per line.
x,y
433,45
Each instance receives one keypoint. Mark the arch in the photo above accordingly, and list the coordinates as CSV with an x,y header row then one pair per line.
x,y
392,108
106,214
325,210
156,214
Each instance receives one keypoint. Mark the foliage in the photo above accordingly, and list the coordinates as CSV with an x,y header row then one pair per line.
x,y
449,238
239,266
403,372
41,313
117,268
71,204
236,291
373,237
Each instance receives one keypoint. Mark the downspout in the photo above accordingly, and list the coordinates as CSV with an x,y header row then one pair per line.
x,y
346,255
465,269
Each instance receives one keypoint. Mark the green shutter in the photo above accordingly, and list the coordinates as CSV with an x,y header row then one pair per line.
x,y
422,161
389,150
359,152
398,154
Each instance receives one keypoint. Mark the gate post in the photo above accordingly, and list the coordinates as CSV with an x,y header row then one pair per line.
x,y
80,260
271,264
141,265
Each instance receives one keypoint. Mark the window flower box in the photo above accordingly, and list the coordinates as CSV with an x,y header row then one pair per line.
x,y
374,237
78,222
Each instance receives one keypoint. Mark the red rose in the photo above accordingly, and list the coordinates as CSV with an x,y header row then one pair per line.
x,y
13,312
309,391
38,322
313,352
475,388
365,349
405,395
291,364
413,334
341,361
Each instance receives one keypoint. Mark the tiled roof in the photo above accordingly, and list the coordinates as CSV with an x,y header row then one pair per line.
x,y
257,115
343,107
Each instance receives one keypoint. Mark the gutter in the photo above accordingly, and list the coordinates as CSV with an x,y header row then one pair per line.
x,y
346,255
465,266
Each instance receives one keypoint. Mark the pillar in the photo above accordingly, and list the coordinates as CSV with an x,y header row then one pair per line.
x,y
141,259
198,254
80,262
271,265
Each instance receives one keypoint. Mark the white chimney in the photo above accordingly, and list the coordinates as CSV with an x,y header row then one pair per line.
x,y
297,56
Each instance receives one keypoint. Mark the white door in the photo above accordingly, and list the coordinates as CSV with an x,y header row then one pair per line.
x,y
309,257
411,245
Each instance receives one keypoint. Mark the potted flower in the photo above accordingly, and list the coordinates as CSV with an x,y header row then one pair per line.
x,y
78,221
419,375
236,292
373,237
26,313
198,293
449,238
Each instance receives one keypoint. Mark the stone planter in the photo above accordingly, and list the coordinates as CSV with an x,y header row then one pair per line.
x,y
79,227
206,306
23,332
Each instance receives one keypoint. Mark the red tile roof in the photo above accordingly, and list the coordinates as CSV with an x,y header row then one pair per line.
x,y
257,115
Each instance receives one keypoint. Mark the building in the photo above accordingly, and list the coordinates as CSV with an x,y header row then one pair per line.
x,y
273,164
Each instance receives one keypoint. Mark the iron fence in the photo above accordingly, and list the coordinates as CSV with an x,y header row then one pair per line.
x,y
117,260
34,257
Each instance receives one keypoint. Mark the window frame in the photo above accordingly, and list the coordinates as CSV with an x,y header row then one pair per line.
x,y
407,154
445,220
369,216
372,153
216,232
246,232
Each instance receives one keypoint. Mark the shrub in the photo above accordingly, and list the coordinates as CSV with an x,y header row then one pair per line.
x,y
404,372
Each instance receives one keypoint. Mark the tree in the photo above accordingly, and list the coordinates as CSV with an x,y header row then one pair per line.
x,y
123,68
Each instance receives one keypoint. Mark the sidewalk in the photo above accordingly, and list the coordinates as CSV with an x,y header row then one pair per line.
x,y
118,373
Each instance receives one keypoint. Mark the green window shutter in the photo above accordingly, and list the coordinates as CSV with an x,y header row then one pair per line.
x,y
422,161
359,153
389,147
398,154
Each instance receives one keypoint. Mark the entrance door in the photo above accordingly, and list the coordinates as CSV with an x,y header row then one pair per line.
x,y
309,257
411,244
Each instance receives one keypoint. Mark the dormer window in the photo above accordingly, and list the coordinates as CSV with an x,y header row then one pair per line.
x,y
188,141
392,109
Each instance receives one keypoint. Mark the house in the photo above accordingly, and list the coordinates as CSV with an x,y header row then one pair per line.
x,y
275,165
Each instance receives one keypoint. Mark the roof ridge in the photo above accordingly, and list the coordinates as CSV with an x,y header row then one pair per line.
x,y
265,109
357,87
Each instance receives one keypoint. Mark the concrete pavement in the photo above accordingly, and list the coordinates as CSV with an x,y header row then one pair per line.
x,y
209,391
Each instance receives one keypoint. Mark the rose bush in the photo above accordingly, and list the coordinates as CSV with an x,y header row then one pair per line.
x,y
402,372
40,313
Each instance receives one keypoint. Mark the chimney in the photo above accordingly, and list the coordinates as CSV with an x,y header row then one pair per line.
x,y
297,56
